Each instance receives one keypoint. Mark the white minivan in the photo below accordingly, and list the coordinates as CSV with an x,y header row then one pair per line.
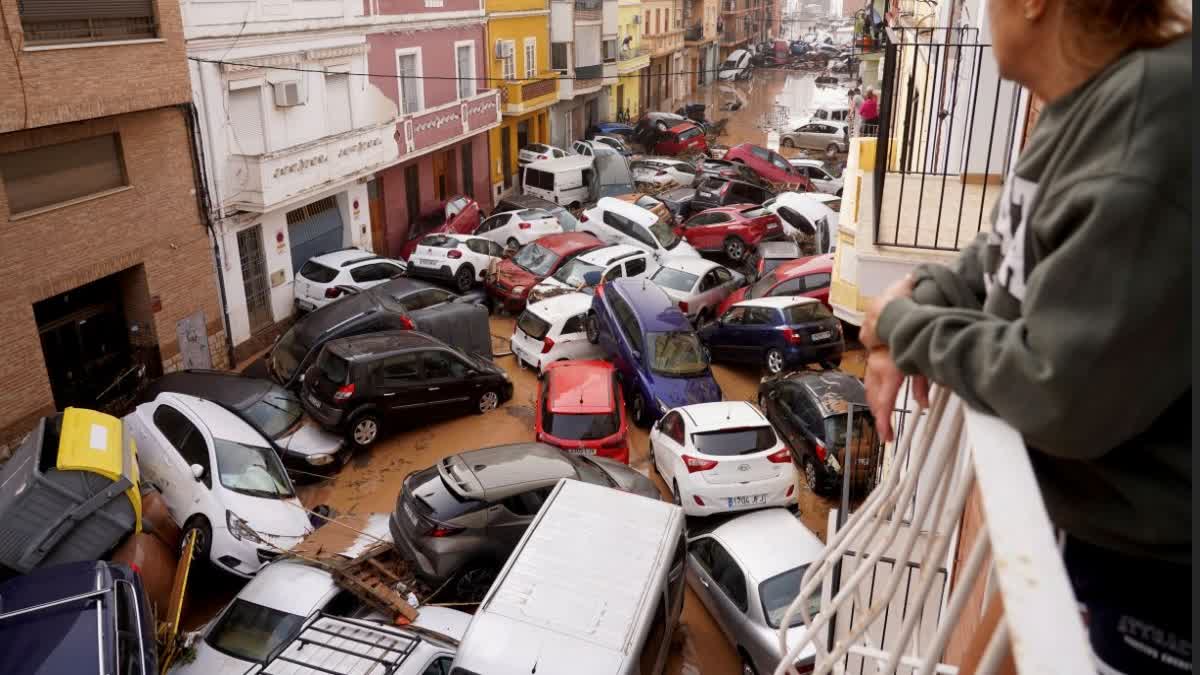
x,y
567,181
594,587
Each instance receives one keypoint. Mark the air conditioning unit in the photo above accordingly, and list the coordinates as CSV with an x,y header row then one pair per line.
x,y
288,94
504,49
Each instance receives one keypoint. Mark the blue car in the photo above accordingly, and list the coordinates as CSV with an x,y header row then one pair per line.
x,y
656,352
778,332
618,129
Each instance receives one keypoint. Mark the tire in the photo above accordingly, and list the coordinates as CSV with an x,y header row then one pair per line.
x,y
203,537
637,409
787,143
363,430
487,401
592,325
471,584
773,361
464,278
735,249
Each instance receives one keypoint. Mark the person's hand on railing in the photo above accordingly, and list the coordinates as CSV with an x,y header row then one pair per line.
x,y
883,380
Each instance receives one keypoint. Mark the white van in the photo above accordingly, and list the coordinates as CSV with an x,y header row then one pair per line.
x,y
567,181
594,587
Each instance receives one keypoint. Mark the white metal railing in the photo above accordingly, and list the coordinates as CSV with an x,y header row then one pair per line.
x,y
909,522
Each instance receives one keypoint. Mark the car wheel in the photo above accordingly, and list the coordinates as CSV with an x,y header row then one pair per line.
x,y
464,278
774,361
487,402
200,525
637,409
735,249
787,143
512,244
473,583
592,325
363,430
675,494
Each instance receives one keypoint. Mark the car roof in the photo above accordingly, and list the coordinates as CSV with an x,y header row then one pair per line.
x,y
779,249
804,266
580,387
690,265
778,302
501,470
802,161
357,347
719,415
629,210
682,127
564,243
220,422
656,311
465,237
561,306
232,389
289,586
609,254
831,389
561,163
525,202
769,542
341,258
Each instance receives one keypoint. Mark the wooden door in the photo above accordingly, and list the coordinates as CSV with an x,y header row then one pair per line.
x,y
439,176
375,208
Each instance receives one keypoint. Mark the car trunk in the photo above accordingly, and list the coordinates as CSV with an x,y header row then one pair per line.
x,y
330,373
311,281
741,454
530,331
426,501
434,251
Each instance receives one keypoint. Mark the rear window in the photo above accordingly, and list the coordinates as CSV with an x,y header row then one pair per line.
x,y
729,442
333,368
435,498
541,180
314,271
533,325
676,280
813,311
253,632
439,241
537,147
714,185
579,427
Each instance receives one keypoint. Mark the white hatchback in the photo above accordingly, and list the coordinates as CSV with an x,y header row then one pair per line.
x,y
536,151
324,278
595,267
554,330
663,172
514,229
697,285
460,258
615,221
721,457
824,181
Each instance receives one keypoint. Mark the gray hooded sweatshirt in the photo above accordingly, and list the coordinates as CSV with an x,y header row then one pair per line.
x,y
1071,320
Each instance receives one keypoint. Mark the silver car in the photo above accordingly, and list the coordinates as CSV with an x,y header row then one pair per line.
x,y
829,136
746,572
699,286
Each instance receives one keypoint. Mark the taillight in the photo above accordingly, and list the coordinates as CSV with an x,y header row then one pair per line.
x,y
583,218
456,254
344,392
820,450
791,489
699,502
443,531
524,226
792,336
547,345
695,464
781,457
333,292
543,157
762,263
683,306
406,323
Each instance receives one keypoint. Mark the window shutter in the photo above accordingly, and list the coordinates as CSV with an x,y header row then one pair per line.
x,y
58,173
410,102
245,113
466,70
337,102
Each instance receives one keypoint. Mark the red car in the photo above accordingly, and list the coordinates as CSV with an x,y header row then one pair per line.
x,y
770,165
809,277
457,215
580,409
734,229
532,264
683,138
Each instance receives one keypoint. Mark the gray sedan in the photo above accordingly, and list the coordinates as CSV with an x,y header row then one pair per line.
x,y
746,572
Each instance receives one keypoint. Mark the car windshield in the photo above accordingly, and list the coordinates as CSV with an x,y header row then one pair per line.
x,y
288,354
564,217
779,591
590,472
677,354
536,260
573,272
731,63
676,280
761,287
275,413
727,442
533,325
252,632
251,470
665,234
810,311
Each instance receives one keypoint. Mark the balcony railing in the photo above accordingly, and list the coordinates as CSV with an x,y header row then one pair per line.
x,y
588,10
946,126
518,96
588,72
694,33
44,28
884,572
663,43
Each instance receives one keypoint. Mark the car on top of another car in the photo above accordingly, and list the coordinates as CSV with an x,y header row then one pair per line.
x,y
697,286
516,276
553,330
733,230
809,277
770,165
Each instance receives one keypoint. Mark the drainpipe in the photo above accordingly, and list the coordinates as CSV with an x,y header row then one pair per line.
x,y
202,204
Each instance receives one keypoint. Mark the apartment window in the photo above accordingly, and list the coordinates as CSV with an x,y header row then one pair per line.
x,y
647,21
337,102
658,20
246,120
54,174
464,56
509,63
69,21
558,55
531,69
610,50
408,67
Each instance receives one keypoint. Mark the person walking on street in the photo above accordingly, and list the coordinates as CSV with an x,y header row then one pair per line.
x,y
1070,319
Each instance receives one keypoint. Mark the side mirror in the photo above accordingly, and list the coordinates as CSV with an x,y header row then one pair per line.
x,y
197,471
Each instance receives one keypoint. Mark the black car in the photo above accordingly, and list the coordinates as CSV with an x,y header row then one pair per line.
x,y
811,410
266,406
721,168
359,382
398,304
524,202
713,192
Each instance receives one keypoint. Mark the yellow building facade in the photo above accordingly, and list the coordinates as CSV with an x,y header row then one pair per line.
x,y
632,61
518,57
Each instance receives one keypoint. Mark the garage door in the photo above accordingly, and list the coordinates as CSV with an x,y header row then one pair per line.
x,y
314,229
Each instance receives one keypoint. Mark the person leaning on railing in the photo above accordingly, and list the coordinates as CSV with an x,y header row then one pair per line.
x,y
1070,320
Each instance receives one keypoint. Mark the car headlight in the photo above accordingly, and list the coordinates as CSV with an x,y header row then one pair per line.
x,y
240,529
517,290
662,406
321,459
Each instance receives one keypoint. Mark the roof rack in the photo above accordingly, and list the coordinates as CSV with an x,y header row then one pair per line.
x,y
332,645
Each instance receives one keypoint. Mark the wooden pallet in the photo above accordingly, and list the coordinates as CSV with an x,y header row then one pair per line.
x,y
381,578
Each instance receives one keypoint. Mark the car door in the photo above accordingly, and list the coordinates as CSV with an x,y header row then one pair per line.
x,y
725,336
787,288
572,341
184,445
816,285
493,227
509,517
709,290
449,380
667,437
806,136
399,383
724,584
708,234
759,330
636,266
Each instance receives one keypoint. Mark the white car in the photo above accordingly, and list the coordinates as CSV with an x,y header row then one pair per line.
x,y
821,179
326,277
514,229
826,135
271,610
699,286
721,457
593,148
219,477
663,172
461,258
805,212
554,330
535,151
615,221
614,143
606,263
736,67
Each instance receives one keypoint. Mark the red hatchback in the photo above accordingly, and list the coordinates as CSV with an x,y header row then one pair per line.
x,y
457,215
580,409
734,229
770,165
535,261
683,138
809,277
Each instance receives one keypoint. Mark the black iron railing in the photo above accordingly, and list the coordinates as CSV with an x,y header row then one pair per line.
x,y
589,72
945,131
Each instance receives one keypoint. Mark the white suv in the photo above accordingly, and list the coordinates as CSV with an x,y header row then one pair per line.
x,y
615,221
322,279
554,330
605,263
721,457
514,229
460,258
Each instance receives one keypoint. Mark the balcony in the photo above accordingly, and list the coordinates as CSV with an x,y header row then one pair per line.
x,y
521,96
431,129
664,43
958,504
632,59
588,78
694,35
733,35
589,11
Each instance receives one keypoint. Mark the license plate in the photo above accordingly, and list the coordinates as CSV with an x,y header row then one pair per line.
x,y
590,452
408,511
747,500
313,400
823,335
426,262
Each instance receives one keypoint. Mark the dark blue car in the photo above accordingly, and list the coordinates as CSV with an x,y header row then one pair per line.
x,y
652,344
778,332
81,617
619,129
